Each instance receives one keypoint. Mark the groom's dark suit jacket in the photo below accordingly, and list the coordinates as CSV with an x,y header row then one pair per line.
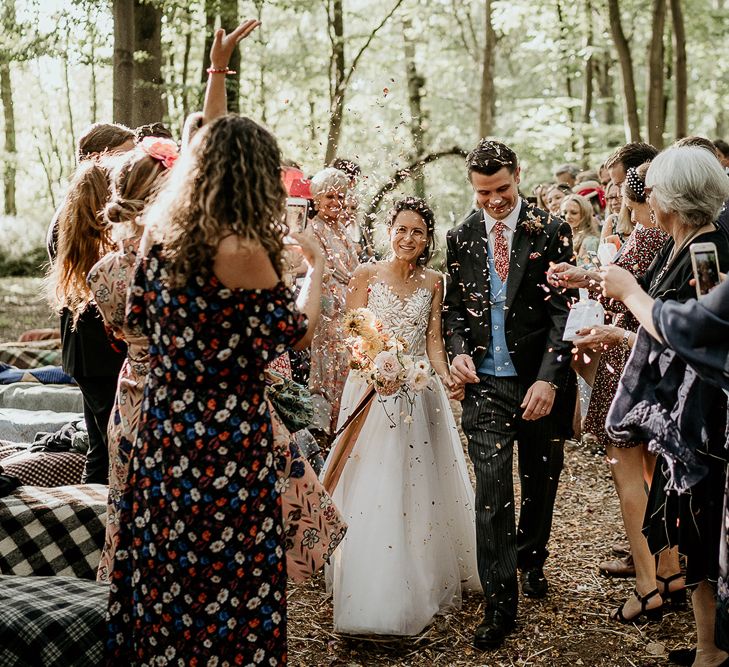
x,y
536,313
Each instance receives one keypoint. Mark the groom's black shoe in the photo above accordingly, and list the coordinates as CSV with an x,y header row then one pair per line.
x,y
534,583
492,632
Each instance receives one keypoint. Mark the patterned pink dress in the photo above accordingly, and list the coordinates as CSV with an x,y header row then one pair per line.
x,y
109,280
639,251
329,357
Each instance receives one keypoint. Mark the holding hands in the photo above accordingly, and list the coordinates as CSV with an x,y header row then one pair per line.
x,y
567,276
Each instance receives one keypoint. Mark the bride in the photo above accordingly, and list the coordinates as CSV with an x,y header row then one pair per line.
x,y
405,491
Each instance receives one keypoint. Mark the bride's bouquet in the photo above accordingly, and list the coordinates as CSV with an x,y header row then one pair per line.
x,y
382,360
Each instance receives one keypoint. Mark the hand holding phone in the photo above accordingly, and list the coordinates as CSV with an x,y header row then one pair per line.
x,y
705,263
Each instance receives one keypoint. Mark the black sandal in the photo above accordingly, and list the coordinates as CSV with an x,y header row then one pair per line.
x,y
652,615
677,597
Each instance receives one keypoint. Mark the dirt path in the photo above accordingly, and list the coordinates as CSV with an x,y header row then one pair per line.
x,y
569,628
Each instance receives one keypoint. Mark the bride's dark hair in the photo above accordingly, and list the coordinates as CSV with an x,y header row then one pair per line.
x,y
416,205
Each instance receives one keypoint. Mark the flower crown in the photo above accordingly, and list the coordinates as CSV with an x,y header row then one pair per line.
x,y
159,148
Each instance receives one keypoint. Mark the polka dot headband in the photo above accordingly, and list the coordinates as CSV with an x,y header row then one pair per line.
x,y
636,184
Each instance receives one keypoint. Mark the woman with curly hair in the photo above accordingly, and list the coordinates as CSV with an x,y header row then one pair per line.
x,y
405,492
200,571
86,350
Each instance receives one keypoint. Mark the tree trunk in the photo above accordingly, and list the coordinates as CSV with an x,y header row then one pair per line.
x,y
262,88
625,59
92,64
337,74
6,94
148,89
339,77
655,120
186,66
568,77
229,21
488,90
69,103
681,75
603,66
123,61
416,82
587,90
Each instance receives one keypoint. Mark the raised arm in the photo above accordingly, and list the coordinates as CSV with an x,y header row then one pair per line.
x,y
309,299
216,103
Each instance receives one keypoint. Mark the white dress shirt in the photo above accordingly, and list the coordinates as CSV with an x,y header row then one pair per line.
x,y
510,221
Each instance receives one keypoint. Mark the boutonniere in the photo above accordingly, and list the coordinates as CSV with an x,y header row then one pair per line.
x,y
533,224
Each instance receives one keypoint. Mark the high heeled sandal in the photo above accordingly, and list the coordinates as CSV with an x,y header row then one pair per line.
x,y
677,597
651,615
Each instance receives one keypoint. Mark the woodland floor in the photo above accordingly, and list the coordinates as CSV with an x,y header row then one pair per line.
x,y
570,627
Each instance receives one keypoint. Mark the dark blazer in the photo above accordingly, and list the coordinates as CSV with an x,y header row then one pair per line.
x,y
536,313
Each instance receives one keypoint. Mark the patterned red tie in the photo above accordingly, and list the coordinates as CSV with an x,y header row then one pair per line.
x,y
501,251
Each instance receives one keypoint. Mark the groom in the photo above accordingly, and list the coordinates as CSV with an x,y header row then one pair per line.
x,y
503,327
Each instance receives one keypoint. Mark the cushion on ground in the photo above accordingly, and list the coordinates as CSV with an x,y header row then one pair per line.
x,y
22,425
52,622
34,396
44,468
31,354
53,531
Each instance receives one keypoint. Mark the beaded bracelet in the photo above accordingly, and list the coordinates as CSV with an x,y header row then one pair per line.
x,y
213,70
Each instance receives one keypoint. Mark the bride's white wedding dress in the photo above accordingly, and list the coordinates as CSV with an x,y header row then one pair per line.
x,y
405,493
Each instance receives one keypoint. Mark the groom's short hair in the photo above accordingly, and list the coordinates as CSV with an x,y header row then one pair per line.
x,y
491,156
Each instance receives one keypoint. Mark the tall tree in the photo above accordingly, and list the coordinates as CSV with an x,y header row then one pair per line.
x,y
625,58
587,84
416,83
655,104
148,106
123,62
567,74
340,74
681,69
488,89
6,95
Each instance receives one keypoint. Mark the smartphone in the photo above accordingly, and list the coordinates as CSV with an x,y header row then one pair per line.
x,y
296,213
705,263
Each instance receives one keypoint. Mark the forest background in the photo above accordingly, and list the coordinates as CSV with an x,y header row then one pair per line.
x,y
403,87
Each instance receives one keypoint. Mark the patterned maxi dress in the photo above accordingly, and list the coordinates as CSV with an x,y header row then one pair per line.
x,y
329,358
638,253
109,281
200,574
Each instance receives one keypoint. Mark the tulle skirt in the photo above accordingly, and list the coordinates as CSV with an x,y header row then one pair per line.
x,y
405,492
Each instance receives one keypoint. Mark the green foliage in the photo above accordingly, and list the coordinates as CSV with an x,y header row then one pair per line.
x,y
285,83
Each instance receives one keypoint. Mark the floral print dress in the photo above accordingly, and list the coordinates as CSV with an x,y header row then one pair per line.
x,y
200,571
329,357
109,281
638,253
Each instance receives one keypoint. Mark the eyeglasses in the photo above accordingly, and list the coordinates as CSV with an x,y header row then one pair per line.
x,y
614,198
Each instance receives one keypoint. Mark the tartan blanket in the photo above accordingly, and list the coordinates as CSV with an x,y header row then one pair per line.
x,y
31,354
53,531
52,622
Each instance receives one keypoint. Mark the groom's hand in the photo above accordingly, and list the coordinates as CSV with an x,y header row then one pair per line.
x,y
463,369
538,401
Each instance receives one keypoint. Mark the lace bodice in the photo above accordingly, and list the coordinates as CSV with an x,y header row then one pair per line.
x,y
407,317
